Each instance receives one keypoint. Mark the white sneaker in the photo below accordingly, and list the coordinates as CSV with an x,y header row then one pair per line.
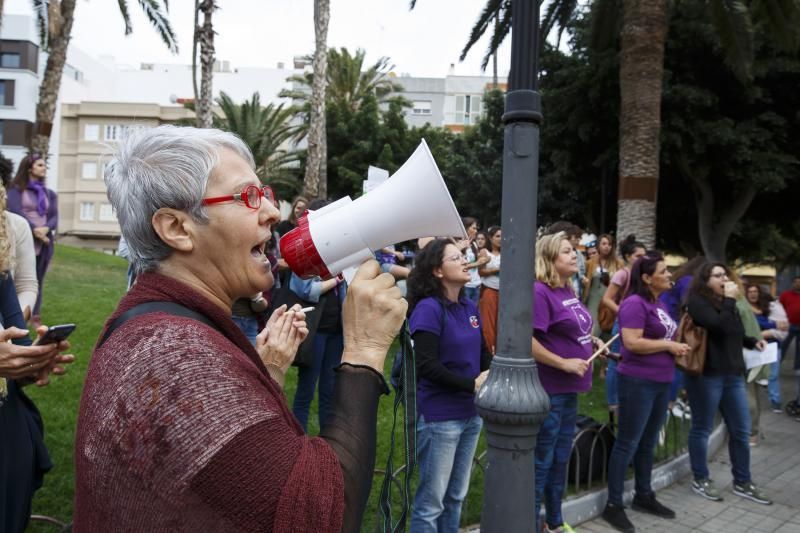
x,y
681,410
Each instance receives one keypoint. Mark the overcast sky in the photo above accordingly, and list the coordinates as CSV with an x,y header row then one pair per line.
x,y
261,33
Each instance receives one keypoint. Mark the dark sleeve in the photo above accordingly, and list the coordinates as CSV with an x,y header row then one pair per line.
x,y
10,313
706,315
52,216
426,351
351,430
486,355
749,342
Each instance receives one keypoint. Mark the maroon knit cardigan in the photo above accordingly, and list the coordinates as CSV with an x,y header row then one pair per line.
x,y
181,429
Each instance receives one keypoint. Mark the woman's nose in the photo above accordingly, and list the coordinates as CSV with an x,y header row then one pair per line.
x,y
269,213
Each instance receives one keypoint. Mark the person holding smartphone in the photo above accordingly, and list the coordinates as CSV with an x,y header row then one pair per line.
x,y
23,455
721,386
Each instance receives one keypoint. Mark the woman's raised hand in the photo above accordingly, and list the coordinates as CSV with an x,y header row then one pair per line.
x,y
374,310
278,342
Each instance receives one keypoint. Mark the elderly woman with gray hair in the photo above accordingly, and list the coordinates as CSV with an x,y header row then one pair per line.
x,y
183,424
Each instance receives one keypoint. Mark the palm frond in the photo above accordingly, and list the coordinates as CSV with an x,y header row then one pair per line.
x,y
152,10
558,14
126,15
735,29
491,10
501,31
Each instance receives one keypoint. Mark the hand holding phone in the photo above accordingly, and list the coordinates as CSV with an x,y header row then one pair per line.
x,y
56,334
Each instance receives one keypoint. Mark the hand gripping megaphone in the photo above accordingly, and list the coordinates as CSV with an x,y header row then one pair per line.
x,y
412,203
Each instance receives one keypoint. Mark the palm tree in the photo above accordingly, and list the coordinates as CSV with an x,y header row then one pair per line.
x,y
349,82
642,28
205,36
315,183
55,18
266,130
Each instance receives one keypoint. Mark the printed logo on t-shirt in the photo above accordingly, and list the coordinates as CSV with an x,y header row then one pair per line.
x,y
473,321
669,325
583,318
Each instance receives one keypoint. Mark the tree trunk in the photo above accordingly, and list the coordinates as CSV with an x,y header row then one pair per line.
x,y
315,183
195,41
644,31
206,37
58,41
715,228
494,55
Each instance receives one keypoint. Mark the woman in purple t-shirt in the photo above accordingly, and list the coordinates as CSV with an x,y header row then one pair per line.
x,y
645,375
452,364
562,344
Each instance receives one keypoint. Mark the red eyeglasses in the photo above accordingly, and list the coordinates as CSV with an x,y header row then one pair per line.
x,y
251,196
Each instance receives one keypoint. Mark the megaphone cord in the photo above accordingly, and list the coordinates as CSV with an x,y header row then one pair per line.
x,y
407,397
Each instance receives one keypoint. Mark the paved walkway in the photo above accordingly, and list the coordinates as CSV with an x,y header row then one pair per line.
x,y
775,465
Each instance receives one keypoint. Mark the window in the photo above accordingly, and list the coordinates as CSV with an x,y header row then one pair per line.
x,y
2,123
421,108
91,132
10,60
89,170
468,108
107,213
116,132
6,92
87,211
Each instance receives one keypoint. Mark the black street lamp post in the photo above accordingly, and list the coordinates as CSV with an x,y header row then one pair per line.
x,y
512,401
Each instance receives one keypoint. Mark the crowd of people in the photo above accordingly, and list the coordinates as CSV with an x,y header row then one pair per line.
x,y
183,421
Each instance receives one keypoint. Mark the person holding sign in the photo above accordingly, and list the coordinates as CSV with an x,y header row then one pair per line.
x,y
562,346
645,375
721,386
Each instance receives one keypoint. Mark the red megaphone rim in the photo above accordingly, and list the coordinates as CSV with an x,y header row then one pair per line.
x,y
300,253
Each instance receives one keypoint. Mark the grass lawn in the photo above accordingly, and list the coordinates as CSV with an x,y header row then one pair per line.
x,y
84,287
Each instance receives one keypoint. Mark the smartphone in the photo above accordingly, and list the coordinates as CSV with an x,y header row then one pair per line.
x,y
56,333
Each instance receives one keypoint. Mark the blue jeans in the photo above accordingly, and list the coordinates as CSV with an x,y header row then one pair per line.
x,y
612,396
642,410
248,325
728,394
553,446
773,383
676,385
445,451
473,293
328,349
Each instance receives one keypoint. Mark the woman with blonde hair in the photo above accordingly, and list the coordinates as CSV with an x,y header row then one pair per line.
x,y
17,255
561,344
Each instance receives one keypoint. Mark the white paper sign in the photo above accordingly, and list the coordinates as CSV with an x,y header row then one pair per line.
x,y
754,358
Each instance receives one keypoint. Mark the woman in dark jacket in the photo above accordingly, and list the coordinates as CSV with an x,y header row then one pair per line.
x,y
712,305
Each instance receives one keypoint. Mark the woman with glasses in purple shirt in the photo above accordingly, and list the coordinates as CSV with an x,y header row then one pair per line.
x,y
645,375
562,344
452,363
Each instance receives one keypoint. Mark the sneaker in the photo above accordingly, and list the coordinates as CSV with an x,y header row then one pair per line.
x,y
762,382
563,528
706,489
751,492
616,517
649,504
776,407
753,441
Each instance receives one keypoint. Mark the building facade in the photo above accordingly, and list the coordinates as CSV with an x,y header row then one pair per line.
x,y
19,84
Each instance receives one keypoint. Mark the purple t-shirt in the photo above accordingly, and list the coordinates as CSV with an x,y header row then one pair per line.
x,y
459,334
563,325
653,317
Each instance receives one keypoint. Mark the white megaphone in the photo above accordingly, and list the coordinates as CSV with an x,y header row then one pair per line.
x,y
414,202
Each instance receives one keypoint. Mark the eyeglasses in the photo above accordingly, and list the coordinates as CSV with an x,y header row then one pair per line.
x,y
456,258
251,196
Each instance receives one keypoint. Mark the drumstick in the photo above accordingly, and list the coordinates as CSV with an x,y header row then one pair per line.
x,y
603,347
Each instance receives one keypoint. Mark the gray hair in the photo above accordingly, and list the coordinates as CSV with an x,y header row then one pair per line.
x,y
166,166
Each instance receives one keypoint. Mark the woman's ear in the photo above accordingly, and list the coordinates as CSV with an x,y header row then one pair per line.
x,y
437,272
174,228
